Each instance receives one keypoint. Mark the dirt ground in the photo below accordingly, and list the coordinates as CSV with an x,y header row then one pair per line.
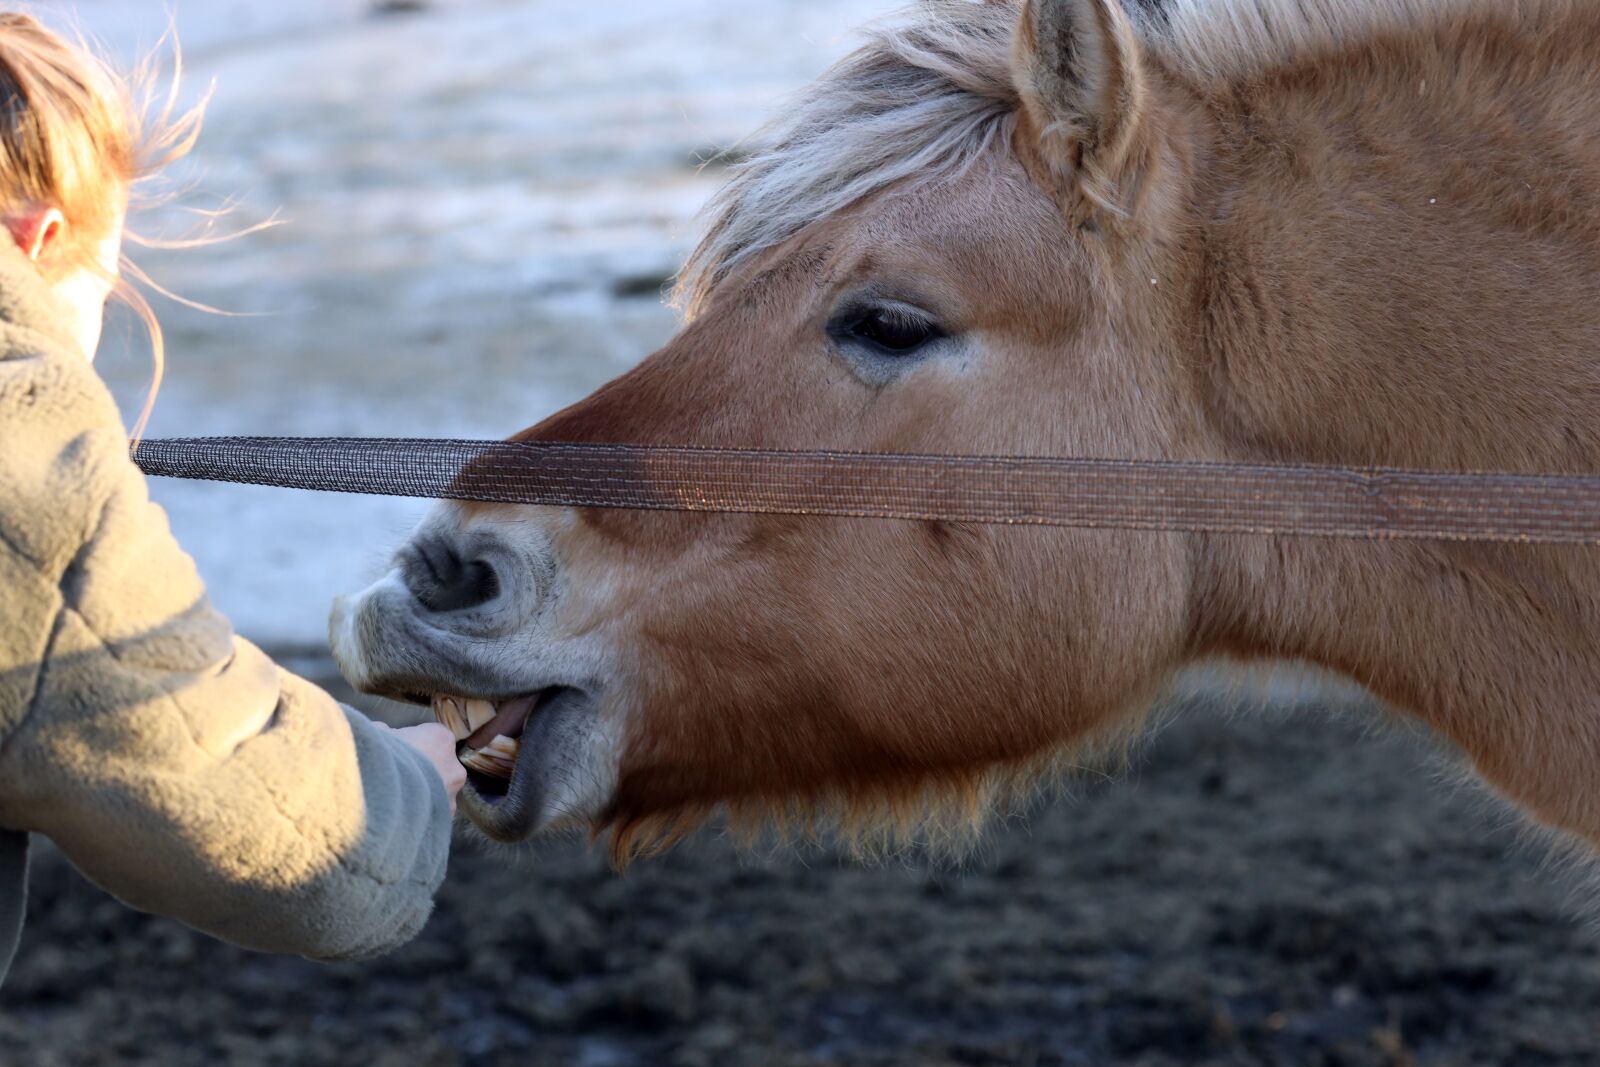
x,y
1292,889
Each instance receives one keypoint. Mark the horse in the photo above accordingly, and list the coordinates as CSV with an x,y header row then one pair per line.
x,y
1356,232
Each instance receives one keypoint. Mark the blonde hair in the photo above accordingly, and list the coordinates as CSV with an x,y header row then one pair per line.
x,y
76,136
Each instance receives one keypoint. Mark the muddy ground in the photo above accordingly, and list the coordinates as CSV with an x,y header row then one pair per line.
x,y
1292,889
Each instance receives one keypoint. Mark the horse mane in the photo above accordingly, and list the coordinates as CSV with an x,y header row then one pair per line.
x,y
929,93
1218,42
926,95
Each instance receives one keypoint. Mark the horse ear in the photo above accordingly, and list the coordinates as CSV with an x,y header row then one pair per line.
x,y
1078,69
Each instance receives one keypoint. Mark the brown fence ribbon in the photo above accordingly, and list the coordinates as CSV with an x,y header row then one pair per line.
x,y
1236,498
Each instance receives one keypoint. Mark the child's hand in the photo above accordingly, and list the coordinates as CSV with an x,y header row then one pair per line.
x,y
439,745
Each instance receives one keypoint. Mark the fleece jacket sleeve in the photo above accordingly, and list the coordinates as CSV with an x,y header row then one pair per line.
x,y
175,764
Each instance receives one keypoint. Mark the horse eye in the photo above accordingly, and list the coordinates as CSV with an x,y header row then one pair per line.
x,y
893,331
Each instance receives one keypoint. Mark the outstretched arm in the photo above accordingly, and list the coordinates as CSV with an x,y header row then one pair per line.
x,y
173,762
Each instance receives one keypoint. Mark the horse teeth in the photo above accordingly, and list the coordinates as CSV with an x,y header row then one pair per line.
x,y
462,716
449,713
479,714
497,759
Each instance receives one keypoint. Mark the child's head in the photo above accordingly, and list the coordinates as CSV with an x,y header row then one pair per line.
x,y
74,139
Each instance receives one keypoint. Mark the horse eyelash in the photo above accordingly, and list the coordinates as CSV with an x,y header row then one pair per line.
x,y
900,315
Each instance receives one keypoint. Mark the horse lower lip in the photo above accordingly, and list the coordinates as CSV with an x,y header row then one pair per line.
x,y
517,813
507,817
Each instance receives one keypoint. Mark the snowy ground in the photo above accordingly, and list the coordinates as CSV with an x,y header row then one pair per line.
x,y
480,201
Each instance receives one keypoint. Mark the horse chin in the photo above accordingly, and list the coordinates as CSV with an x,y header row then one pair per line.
x,y
562,778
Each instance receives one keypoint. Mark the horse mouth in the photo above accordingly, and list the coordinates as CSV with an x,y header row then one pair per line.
x,y
510,748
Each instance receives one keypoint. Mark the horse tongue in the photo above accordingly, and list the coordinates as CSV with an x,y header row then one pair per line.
x,y
510,716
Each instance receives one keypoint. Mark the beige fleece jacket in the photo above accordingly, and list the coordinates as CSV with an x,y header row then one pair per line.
x,y
174,763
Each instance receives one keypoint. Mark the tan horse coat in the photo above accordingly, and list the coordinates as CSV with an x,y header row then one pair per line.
x,y
1324,232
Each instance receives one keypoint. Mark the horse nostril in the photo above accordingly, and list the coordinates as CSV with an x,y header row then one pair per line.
x,y
442,581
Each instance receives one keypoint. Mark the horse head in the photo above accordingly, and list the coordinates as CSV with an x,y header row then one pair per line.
x,y
997,228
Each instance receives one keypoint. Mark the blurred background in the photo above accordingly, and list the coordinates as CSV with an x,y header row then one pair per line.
x,y
481,202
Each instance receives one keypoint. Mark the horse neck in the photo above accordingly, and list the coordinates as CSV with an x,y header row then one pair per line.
x,y
1493,647
1392,273
1399,260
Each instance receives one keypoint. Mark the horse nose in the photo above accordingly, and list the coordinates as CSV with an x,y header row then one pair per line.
x,y
441,580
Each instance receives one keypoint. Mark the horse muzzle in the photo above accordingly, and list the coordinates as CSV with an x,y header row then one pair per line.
x,y
463,623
